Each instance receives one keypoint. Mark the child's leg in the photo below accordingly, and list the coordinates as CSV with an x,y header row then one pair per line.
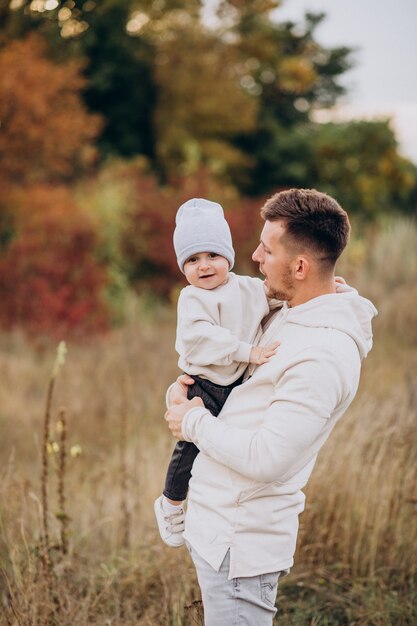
x,y
168,510
179,470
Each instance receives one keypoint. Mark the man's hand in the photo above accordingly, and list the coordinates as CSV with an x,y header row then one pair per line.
x,y
175,415
177,393
260,355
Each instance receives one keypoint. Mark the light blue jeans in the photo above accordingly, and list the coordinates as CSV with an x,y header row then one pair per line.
x,y
238,602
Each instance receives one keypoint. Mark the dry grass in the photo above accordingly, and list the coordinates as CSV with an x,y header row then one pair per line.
x,y
357,553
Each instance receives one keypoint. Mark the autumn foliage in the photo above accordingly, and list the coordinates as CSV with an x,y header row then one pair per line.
x,y
49,278
113,114
45,127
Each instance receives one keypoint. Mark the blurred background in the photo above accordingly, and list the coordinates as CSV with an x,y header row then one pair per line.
x,y
113,113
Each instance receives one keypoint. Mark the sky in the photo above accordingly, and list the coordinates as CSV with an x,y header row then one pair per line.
x,y
384,81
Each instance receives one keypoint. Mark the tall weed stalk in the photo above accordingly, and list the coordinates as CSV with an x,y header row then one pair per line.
x,y
46,446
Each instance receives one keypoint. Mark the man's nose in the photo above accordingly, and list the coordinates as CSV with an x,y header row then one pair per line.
x,y
256,256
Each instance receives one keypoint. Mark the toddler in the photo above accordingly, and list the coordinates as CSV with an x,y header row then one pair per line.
x,y
218,326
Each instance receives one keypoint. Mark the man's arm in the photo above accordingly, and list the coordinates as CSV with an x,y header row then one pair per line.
x,y
290,434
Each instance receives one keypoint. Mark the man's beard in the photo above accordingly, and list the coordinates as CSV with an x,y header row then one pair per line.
x,y
287,289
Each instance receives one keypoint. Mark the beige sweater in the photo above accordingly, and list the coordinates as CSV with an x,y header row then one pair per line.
x,y
217,327
246,486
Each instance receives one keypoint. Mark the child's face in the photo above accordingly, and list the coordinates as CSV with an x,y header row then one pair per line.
x,y
206,270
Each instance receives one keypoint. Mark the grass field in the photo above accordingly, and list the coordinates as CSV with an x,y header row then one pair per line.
x,y
356,561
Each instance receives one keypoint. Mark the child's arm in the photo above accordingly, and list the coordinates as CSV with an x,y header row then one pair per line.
x,y
263,354
203,343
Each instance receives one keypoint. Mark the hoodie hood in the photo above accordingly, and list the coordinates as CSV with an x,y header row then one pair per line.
x,y
344,310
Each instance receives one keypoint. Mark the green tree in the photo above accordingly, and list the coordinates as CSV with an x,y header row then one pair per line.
x,y
358,162
120,82
291,74
201,105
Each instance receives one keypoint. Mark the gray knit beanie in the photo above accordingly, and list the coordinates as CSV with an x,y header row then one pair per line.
x,y
201,227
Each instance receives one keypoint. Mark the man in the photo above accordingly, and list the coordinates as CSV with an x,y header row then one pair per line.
x,y
255,458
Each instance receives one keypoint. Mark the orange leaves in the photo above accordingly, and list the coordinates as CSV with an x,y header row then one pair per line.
x,y
50,279
44,124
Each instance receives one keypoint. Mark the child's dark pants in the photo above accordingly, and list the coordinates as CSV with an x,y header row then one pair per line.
x,y
179,470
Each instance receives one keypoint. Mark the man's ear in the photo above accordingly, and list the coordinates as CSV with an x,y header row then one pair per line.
x,y
301,268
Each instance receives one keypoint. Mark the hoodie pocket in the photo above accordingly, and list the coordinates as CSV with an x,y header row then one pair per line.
x,y
264,489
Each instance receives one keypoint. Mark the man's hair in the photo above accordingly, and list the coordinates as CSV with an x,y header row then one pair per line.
x,y
314,223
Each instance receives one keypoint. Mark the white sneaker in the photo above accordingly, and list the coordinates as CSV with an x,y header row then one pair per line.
x,y
170,526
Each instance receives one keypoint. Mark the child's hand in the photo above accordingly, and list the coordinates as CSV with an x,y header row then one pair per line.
x,y
339,284
262,354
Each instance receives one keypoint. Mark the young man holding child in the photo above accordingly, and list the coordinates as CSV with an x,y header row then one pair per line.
x,y
256,457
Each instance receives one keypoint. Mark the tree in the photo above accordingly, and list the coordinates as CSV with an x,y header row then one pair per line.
x,y
118,59
237,99
187,96
120,81
291,75
46,130
201,105
49,275
358,162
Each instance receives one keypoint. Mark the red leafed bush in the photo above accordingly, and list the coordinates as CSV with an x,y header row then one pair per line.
x,y
50,280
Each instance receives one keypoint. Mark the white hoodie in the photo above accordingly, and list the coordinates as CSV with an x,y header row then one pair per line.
x,y
245,491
